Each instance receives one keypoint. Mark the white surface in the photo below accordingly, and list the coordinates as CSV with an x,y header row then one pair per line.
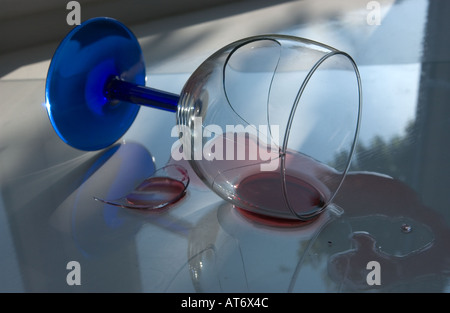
x,y
48,217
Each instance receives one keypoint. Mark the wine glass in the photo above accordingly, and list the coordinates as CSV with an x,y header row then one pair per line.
x,y
269,123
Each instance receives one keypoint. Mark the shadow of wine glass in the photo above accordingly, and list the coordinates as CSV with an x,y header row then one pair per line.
x,y
96,227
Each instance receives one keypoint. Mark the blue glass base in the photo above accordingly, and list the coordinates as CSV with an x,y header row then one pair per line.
x,y
88,57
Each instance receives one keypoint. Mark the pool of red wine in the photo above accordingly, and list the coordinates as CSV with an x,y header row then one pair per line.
x,y
157,191
264,190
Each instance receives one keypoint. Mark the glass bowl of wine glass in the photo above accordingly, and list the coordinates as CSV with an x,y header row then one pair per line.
x,y
270,124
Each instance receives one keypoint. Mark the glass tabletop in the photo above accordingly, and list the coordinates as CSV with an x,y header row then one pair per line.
x,y
395,224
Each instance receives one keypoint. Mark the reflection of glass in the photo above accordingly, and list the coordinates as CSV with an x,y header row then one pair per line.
x,y
261,120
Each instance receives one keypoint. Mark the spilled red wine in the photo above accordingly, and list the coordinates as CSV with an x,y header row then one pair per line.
x,y
264,190
166,186
246,171
155,192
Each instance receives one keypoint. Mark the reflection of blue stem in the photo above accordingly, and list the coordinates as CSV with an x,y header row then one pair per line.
x,y
243,264
347,267
197,271
187,263
336,213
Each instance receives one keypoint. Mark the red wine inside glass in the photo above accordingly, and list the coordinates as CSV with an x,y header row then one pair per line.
x,y
264,190
249,176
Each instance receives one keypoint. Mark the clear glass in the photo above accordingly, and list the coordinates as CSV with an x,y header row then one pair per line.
x,y
165,186
270,123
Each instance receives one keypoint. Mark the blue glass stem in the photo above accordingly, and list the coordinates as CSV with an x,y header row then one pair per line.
x,y
117,89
